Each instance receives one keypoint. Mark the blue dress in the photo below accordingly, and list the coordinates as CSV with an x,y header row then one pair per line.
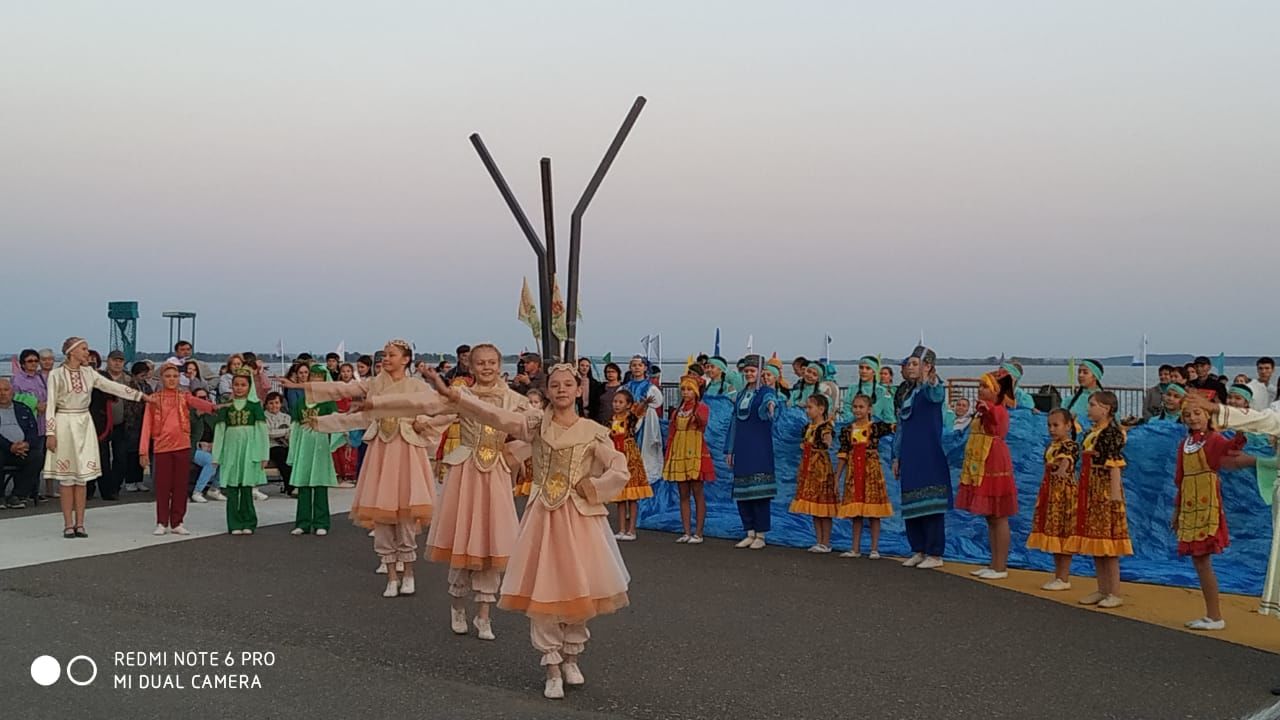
x,y
751,440
922,465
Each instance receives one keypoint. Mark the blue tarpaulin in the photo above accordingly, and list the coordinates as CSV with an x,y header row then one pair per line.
x,y
1148,482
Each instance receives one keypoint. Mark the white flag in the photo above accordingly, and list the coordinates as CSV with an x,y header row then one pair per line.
x,y
751,342
1140,357
342,351
644,344
280,351
657,348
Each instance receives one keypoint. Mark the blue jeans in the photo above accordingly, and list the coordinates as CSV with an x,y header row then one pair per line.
x,y
208,471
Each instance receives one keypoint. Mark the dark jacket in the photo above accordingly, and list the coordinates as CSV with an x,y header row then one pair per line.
x,y
26,421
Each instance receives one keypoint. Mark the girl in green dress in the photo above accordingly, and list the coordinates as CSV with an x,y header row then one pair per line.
x,y
240,451
311,457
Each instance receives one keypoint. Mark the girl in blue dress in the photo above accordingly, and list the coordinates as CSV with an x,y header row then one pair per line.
x,y
750,455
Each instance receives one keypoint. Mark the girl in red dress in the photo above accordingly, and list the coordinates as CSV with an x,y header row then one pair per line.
x,y
865,494
986,478
1053,524
815,481
1198,518
345,457
622,430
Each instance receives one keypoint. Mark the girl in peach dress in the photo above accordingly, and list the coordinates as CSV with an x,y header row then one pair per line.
x,y
566,568
396,489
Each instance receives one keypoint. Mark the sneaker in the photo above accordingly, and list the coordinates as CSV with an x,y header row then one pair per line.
x,y
1111,601
682,539
1206,624
573,675
257,495
199,498
246,531
484,629
758,542
619,536
160,530
695,540
746,541
814,548
393,589
994,574
406,585
1092,598
370,533
346,485
823,549
215,494
875,555
322,532
851,554
914,560
1056,585
1192,623
979,571
14,503
296,531
382,569
181,530
629,537
458,620
237,532
554,689
930,563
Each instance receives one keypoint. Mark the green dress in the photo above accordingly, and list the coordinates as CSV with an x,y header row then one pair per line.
x,y
240,444
311,452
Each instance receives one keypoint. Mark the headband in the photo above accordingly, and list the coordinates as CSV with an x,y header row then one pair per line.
x,y
1242,391
771,369
870,361
717,362
1013,371
1181,390
564,367
1095,367
404,345
72,343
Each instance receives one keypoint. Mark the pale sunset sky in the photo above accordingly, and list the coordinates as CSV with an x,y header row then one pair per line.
x,y
1031,178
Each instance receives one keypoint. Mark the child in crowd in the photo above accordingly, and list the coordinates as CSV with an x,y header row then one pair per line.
x,y
688,462
240,452
1102,519
278,426
1198,518
987,486
311,456
1054,522
345,457
1240,396
166,428
865,494
815,481
202,428
524,481
626,414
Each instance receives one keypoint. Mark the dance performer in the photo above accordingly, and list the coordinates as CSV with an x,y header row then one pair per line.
x,y
396,487
815,481
311,447
1102,520
622,431
241,449
71,443
688,462
648,429
918,461
566,568
865,494
869,386
750,455
524,474
166,430
987,487
720,381
1021,398
1089,375
1053,523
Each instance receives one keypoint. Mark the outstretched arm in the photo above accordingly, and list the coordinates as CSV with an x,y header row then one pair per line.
x,y
322,391
606,486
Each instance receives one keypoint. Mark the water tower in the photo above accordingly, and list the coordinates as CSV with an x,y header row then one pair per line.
x,y
124,327
176,318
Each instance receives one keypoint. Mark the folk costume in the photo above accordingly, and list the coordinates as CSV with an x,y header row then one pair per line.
x,y
1053,524
987,485
241,448
311,457
688,457
68,393
816,481
923,473
865,494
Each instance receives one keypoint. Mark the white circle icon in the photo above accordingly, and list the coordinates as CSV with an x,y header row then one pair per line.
x,y
45,670
93,675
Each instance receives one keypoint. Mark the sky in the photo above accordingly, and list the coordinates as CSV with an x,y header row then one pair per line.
x,y
1029,178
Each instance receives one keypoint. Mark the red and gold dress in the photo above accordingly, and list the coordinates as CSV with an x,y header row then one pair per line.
x,y
622,432
1053,525
816,480
987,486
1201,523
688,458
344,458
865,495
1102,522
524,482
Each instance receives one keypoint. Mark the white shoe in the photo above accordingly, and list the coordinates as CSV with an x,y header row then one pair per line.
x,y
875,555
393,589
1056,585
215,494
370,534
406,585
181,530
682,539
695,540
554,689
458,620
296,531
160,530
573,675
322,532
814,548
619,536
237,532
990,574
346,485
1207,624
758,542
850,554
823,549
979,571
199,498
746,541
382,569
1115,601
484,628
246,531
914,560
930,563
1193,623
129,487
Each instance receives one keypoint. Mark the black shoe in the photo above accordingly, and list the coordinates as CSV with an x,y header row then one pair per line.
x,y
69,534
1275,690
80,533
113,498
14,503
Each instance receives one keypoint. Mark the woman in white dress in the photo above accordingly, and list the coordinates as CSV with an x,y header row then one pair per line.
x,y
72,442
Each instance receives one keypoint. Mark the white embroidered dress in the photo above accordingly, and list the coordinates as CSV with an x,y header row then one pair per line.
x,y
76,461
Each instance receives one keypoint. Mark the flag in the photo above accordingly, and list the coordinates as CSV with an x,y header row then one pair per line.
x,y
826,349
342,351
644,346
527,312
751,341
1071,372
1140,357
1220,364
688,363
559,326
716,352
657,348
280,351
608,358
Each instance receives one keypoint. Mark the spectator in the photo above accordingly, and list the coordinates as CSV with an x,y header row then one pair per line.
x,y
1206,380
117,434
1189,370
463,368
100,410
133,412
589,390
1264,392
1153,400
46,362
420,368
797,366
963,413
443,368
191,379
531,376
203,426
604,403
19,438
331,363
235,362
278,425
299,372
28,380
1178,376
364,367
